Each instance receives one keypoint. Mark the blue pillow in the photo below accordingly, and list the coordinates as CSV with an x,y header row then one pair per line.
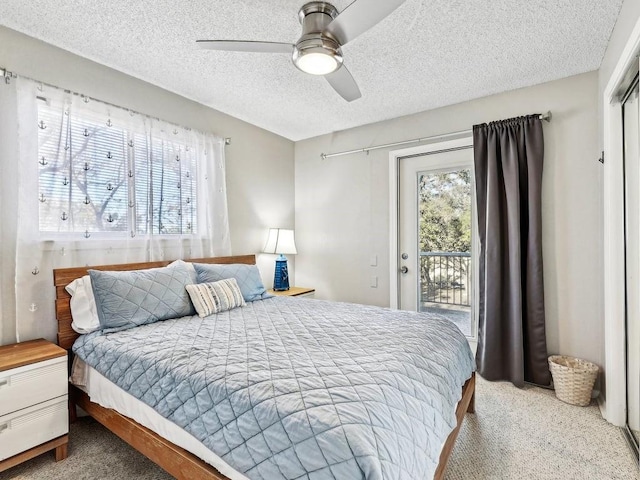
x,y
137,297
247,276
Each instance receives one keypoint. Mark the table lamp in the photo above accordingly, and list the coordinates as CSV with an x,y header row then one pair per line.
x,y
280,241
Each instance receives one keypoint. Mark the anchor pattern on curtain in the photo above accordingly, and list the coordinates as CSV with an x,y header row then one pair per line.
x,y
90,183
110,176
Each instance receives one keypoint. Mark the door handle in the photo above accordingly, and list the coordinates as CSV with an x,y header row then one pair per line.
x,y
404,269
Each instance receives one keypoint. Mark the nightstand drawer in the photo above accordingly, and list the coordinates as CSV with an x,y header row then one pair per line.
x,y
32,426
32,384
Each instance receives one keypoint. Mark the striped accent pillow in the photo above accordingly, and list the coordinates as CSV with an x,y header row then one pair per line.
x,y
214,297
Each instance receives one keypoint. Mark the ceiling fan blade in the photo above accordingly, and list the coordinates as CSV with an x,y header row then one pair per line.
x,y
245,46
343,83
359,17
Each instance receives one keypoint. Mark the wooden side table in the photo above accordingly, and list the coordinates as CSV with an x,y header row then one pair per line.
x,y
295,292
34,417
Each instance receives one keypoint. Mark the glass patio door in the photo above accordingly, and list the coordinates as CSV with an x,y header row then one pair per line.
x,y
436,236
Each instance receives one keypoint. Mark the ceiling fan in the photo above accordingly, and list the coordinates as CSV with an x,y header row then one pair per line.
x,y
324,31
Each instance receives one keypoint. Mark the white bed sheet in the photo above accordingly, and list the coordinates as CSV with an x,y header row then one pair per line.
x,y
107,394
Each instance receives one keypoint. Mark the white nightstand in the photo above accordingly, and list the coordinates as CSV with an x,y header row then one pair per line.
x,y
34,413
295,292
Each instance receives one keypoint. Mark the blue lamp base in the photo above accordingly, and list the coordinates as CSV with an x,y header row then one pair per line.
x,y
281,276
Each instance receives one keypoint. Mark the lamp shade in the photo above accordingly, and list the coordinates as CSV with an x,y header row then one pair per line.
x,y
280,241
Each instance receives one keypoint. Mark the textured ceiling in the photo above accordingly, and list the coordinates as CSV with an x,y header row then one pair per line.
x,y
427,54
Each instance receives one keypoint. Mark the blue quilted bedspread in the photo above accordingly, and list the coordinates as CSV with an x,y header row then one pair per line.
x,y
299,388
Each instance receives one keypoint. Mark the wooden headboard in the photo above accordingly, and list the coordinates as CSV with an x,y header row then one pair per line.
x,y
63,276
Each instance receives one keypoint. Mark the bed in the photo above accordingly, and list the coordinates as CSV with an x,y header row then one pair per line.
x,y
182,463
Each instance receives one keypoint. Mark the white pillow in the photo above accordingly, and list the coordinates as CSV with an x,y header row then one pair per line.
x,y
83,306
215,297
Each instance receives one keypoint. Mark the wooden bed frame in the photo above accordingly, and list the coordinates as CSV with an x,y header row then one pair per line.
x,y
173,459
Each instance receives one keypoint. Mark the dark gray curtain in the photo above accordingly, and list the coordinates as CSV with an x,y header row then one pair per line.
x,y
508,157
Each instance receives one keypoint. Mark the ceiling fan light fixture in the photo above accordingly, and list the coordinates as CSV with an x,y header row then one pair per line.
x,y
317,52
317,62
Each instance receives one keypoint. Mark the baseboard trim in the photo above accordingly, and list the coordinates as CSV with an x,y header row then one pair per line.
x,y
602,405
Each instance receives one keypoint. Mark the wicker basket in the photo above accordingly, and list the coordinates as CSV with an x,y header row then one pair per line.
x,y
573,379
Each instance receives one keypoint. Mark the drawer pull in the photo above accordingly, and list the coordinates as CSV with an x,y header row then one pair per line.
x,y
3,427
4,382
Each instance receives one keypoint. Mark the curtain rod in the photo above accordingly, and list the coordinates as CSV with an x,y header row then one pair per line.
x,y
543,116
8,75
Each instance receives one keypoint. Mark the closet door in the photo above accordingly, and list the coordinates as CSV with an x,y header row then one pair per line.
x,y
631,115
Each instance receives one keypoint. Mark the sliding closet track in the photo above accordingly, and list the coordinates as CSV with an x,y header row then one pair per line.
x,y
632,441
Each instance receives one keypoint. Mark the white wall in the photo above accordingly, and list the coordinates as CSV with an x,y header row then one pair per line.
x,y
259,163
342,212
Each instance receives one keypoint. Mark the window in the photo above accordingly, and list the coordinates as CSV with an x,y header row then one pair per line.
x,y
98,175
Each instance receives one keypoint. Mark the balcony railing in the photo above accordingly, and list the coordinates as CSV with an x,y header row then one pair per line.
x,y
445,277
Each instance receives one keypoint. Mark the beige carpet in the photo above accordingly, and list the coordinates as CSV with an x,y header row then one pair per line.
x,y
515,434
529,434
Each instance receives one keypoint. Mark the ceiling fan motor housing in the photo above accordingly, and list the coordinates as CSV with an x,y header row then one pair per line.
x,y
315,17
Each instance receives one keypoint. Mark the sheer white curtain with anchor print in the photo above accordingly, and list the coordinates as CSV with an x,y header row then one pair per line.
x,y
88,183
